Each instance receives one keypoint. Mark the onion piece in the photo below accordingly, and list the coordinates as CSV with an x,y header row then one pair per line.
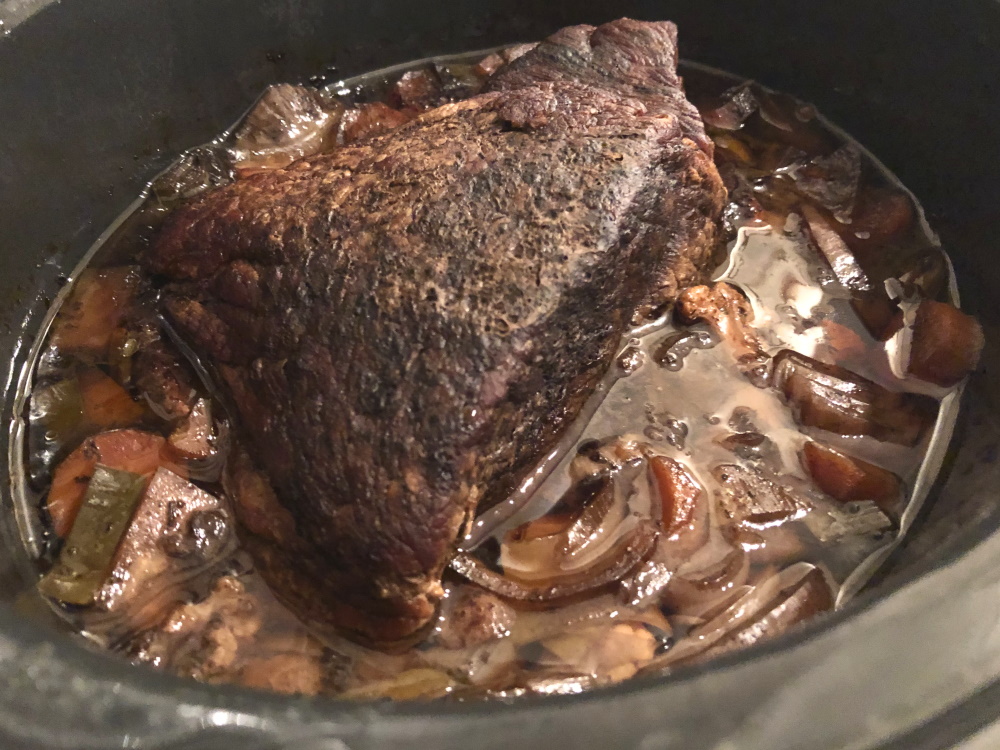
x,y
846,478
735,105
944,344
685,519
742,611
93,311
834,399
690,595
751,497
831,180
807,599
606,508
605,512
833,248
420,683
630,549
287,123
683,503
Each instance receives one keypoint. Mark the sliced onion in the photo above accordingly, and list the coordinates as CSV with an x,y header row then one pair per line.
x,y
605,510
805,600
833,248
210,468
694,594
744,609
684,505
419,683
601,523
647,584
627,552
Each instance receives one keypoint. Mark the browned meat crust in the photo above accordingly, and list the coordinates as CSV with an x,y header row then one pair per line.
x,y
412,320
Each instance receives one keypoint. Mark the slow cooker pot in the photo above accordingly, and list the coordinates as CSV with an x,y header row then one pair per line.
x,y
96,96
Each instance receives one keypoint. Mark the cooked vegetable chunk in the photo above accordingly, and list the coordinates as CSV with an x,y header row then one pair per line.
x,y
86,557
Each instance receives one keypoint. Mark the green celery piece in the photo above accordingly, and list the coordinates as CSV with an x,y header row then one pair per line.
x,y
58,409
90,547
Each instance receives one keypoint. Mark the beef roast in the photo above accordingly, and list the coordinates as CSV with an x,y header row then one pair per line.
x,y
405,324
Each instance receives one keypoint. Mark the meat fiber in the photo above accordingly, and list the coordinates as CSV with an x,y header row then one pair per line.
x,y
406,324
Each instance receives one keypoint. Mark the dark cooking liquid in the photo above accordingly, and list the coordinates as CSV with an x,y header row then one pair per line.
x,y
675,392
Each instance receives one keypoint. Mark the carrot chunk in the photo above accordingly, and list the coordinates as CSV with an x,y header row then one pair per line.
x,y
125,450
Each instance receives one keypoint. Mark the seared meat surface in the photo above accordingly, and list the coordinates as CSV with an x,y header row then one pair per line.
x,y
404,325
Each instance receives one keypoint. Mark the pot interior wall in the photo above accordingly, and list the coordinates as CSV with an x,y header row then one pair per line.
x,y
96,96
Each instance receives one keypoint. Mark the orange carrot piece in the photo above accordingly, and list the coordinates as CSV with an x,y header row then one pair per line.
x,y
128,450
105,403
94,309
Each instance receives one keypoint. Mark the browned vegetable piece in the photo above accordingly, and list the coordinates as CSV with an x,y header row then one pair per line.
x,y
291,674
946,344
176,532
548,525
164,380
568,511
834,399
87,555
126,450
697,593
879,314
680,497
105,403
419,89
844,343
833,248
471,617
730,149
460,80
372,119
510,54
880,216
849,479
624,555
593,519
731,109
787,120
194,436
750,497
775,545
685,523
94,309
490,65
830,180
808,598
287,123
753,446
67,411
926,271
729,314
